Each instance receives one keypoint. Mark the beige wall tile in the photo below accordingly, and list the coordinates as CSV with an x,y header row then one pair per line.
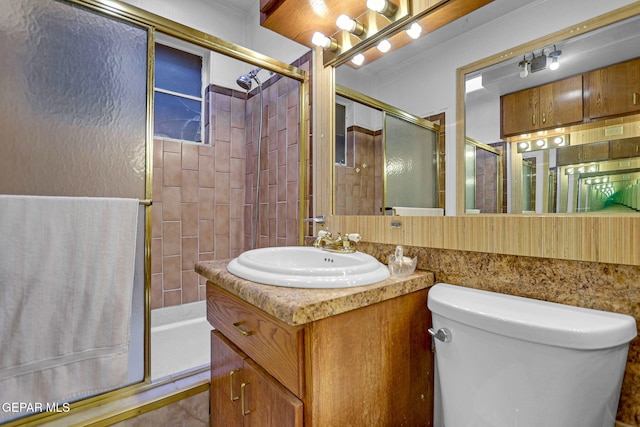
x,y
172,204
171,272
190,186
190,216
172,169
171,238
190,156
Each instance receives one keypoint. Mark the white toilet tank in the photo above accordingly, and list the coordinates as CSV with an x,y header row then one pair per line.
x,y
507,361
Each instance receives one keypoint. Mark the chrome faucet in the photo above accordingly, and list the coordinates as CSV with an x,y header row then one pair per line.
x,y
342,244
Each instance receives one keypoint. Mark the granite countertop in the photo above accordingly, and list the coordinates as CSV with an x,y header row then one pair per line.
x,y
296,306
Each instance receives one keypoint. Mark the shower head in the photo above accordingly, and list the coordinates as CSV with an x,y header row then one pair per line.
x,y
244,81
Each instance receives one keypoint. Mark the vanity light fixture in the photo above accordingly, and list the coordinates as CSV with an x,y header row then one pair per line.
x,y
414,31
384,46
324,42
538,63
358,59
542,143
523,67
383,7
355,27
554,58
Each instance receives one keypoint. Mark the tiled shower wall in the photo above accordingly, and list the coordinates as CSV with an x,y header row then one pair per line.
x,y
183,211
359,185
279,164
203,194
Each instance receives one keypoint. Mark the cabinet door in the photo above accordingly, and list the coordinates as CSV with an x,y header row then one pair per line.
x,y
226,369
265,402
243,394
615,90
519,112
624,148
574,154
595,152
569,155
560,103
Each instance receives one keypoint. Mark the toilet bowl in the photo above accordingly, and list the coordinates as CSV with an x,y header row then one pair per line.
x,y
507,361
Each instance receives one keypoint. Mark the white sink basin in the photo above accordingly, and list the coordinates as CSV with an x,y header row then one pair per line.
x,y
307,267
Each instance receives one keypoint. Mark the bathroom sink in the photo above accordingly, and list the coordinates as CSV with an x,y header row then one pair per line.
x,y
307,267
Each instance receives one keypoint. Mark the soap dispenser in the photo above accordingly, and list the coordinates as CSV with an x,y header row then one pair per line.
x,y
400,265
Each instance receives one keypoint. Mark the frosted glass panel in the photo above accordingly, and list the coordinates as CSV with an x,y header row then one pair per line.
x,y
73,104
411,164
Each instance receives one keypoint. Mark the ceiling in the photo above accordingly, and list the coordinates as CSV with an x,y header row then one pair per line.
x,y
244,5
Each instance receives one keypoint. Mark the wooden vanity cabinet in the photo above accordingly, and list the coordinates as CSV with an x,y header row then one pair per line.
x,y
614,90
555,104
370,366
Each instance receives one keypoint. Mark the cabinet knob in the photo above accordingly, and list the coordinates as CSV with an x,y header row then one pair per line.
x,y
544,117
635,98
533,119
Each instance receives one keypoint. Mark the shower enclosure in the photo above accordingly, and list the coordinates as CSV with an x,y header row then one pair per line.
x,y
73,124
81,136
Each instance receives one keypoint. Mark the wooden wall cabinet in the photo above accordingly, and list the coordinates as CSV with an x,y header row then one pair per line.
x,y
624,148
575,154
555,104
365,367
614,90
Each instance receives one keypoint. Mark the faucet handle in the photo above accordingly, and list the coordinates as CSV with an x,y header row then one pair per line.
x,y
324,233
354,237
320,219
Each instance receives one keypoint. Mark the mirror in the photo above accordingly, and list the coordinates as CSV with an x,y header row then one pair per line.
x,y
594,162
386,160
418,79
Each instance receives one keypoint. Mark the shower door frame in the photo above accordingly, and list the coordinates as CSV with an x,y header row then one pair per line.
x,y
153,23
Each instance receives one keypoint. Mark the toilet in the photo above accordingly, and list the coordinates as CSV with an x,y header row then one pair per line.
x,y
507,361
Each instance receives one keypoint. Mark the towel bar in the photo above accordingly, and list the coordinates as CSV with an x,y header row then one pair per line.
x,y
146,202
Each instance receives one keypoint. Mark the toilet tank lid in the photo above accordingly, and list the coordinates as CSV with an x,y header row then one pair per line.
x,y
532,320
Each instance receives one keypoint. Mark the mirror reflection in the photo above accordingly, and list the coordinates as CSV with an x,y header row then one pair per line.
x,y
566,117
386,160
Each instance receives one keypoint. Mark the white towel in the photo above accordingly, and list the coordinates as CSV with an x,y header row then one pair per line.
x,y
66,281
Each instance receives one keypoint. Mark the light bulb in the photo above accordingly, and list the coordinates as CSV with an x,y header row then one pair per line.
x,y
414,30
376,5
523,70
384,7
554,64
319,39
345,23
358,60
384,46
323,41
